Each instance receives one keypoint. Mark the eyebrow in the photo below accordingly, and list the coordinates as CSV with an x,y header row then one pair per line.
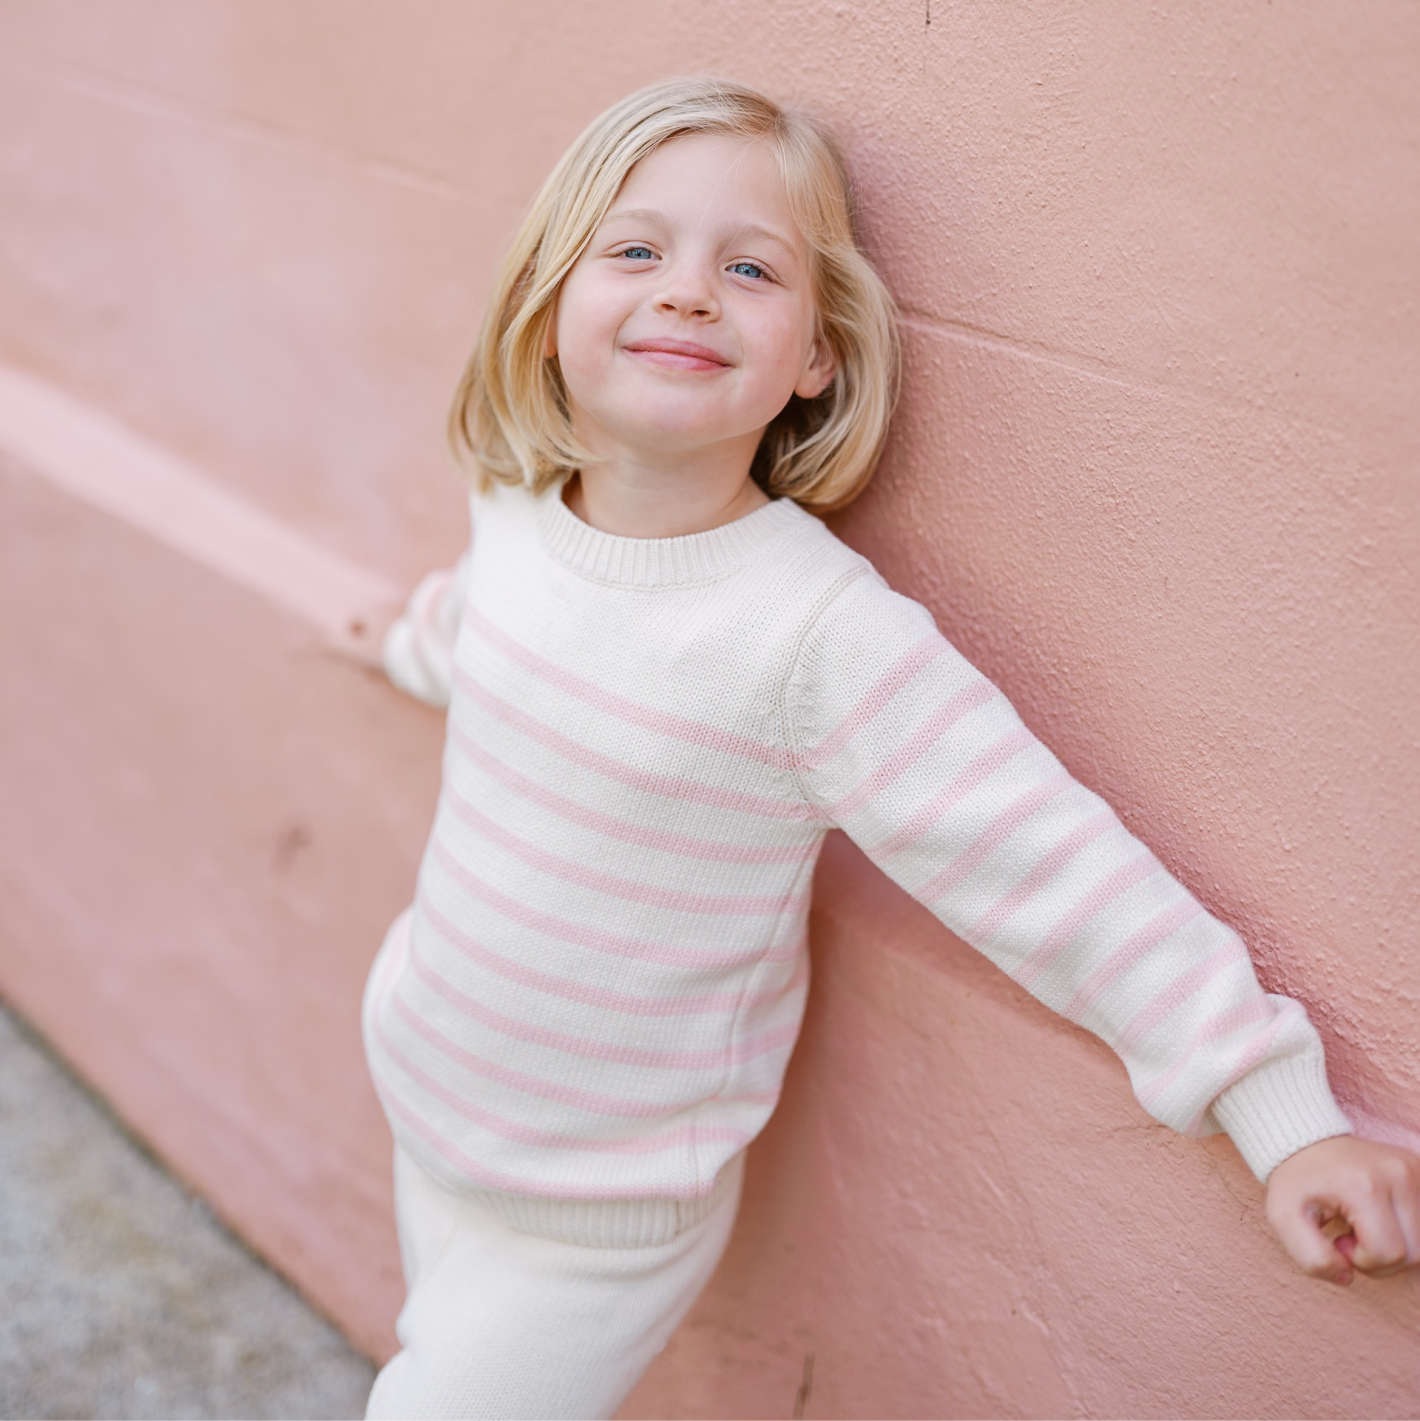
x,y
651,214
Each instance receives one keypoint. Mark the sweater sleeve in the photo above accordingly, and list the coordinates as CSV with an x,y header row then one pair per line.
x,y
926,766
418,649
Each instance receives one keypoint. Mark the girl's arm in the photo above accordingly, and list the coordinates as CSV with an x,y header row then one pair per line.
x,y
930,771
418,650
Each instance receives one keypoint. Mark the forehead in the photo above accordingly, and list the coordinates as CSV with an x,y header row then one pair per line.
x,y
716,178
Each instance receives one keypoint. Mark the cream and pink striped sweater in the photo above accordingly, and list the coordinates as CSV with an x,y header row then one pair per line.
x,y
597,988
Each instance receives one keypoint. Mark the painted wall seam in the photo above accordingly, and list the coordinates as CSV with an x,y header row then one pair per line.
x,y
94,458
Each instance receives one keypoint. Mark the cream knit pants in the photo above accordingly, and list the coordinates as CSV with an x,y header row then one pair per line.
x,y
522,1307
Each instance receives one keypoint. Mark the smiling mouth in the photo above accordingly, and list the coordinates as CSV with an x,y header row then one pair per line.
x,y
677,355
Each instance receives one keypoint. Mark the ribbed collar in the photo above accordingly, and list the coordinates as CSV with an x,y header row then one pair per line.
x,y
658,562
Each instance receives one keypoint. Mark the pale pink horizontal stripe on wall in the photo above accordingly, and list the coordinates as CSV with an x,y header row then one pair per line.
x,y
1224,1024
911,750
589,1101
1131,952
735,1053
981,768
1177,992
992,837
662,786
627,831
691,1004
1091,905
471,1170
583,876
675,727
649,1144
95,458
1046,868
582,935
907,666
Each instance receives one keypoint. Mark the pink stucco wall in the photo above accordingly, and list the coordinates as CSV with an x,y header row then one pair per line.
x,y
1154,471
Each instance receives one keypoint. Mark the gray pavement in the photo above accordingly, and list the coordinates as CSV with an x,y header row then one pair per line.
x,y
120,1294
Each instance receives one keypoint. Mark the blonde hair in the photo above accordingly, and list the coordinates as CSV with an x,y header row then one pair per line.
x,y
510,414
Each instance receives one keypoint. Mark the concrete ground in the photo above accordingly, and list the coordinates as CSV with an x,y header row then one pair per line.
x,y
120,1294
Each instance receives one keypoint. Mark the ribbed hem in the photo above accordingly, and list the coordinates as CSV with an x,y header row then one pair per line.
x,y
612,1223
658,562
1279,1108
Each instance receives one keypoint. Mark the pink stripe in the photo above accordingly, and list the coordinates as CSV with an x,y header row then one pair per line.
x,y
907,666
1090,906
674,899
1253,1053
1129,953
982,768
590,1101
1177,992
990,922
429,598
675,727
736,1053
475,1173
912,750
673,1138
663,786
580,935
627,831
997,832
1224,1024
704,1004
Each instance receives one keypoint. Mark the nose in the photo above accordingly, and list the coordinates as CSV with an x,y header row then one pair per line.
x,y
687,291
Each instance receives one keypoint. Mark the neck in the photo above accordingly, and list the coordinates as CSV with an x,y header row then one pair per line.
x,y
666,498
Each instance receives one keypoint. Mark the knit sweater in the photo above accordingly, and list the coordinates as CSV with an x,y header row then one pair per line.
x,y
597,989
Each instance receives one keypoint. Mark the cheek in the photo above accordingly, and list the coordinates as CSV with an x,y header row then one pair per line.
x,y
783,346
584,336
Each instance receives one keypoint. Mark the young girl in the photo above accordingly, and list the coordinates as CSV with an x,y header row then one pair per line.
x,y
666,681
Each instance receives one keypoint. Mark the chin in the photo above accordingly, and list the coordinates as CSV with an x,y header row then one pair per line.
x,y
678,430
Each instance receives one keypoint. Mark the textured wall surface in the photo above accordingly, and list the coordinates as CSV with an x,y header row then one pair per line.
x,y
1154,471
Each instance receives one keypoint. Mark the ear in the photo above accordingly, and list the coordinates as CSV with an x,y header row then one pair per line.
x,y
818,372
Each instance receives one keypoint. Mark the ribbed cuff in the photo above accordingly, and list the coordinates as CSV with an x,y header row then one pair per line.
x,y
1278,1108
614,1223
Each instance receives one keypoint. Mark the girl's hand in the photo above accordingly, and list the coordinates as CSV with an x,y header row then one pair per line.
x,y
1344,1204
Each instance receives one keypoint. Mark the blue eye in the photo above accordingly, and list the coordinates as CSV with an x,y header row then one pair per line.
x,y
750,269
639,254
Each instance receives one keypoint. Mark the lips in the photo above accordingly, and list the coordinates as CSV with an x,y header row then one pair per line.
x,y
677,355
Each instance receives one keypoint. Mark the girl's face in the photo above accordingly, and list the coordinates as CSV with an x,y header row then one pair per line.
x,y
689,319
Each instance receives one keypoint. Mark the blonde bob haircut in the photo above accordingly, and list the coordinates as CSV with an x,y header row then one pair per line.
x,y
510,419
